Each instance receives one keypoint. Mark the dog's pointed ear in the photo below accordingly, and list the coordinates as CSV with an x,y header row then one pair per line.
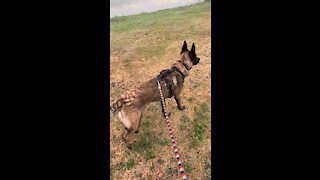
x,y
184,47
193,49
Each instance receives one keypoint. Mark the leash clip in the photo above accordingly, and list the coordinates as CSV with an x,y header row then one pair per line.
x,y
159,87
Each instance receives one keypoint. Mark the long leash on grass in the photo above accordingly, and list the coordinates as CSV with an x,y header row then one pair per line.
x,y
173,141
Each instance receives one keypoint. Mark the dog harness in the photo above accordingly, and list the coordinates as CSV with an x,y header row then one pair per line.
x,y
174,68
169,83
163,76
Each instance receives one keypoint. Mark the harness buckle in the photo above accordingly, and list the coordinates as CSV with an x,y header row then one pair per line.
x,y
159,87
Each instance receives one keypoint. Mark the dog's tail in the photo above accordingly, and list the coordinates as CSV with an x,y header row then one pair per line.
x,y
127,99
115,107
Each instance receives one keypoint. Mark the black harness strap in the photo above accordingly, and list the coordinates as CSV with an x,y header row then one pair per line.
x,y
163,76
174,68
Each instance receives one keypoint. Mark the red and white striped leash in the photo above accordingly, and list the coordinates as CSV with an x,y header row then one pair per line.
x,y
183,174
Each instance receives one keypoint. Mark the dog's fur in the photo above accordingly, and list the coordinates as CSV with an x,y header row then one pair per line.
x,y
130,105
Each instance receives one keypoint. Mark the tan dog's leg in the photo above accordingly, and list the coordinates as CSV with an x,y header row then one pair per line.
x,y
136,131
134,117
178,101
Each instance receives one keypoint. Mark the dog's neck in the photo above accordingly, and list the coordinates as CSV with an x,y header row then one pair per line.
x,y
182,68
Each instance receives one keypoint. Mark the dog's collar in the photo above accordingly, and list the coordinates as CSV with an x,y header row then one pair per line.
x,y
184,65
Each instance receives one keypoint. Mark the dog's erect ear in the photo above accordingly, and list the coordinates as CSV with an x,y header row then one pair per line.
x,y
193,49
184,47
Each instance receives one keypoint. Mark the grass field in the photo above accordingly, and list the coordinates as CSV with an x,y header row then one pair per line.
x,y
140,47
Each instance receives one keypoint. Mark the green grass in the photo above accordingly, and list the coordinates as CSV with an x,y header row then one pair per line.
x,y
169,170
184,119
130,163
111,172
160,161
187,168
146,122
184,122
153,32
143,143
149,52
201,114
199,124
198,133
148,21
163,142
149,155
198,130
204,107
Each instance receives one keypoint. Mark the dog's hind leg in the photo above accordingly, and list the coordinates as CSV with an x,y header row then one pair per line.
x,y
125,137
131,121
137,130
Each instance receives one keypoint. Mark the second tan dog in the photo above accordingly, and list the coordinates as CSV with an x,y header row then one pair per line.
x,y
130,105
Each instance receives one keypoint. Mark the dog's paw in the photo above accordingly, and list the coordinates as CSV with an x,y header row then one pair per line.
x,y
129,146
182,108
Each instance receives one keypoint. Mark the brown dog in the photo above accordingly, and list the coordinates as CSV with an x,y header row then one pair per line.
x,y
130,105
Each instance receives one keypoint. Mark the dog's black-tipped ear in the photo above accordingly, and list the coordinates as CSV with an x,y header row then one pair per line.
x,y
184,47
193,49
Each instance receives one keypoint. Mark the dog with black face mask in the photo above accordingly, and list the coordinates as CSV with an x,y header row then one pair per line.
x,y
129,106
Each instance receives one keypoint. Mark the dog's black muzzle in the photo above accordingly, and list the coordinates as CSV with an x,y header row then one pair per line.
x,y
196,61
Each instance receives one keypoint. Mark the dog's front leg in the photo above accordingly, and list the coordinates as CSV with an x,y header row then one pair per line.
x,y
178,101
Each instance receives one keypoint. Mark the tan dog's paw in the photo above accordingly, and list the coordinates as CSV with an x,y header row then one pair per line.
x,y
129,146
182,108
